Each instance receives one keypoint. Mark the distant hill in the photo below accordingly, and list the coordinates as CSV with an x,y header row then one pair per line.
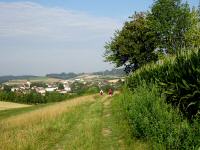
x,y
63,76
113,72
7,78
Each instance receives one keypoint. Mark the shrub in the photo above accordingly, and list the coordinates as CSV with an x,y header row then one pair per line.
x,y
152,119
178,77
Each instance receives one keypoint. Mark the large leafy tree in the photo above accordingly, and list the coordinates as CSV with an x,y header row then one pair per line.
x,y
174,25
169,27
132,46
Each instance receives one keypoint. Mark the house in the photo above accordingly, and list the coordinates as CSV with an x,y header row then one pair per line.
x,y
113,81
62,92
28,84
67,88
40,90
51,89
77,79
14,89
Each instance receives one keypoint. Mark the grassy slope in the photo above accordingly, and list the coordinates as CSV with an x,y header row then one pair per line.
x,y
88,122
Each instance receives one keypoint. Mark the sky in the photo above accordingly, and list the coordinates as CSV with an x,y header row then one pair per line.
x,y
38,37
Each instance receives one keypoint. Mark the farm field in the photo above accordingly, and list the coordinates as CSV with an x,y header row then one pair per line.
x,y
87,122
9,105
33,80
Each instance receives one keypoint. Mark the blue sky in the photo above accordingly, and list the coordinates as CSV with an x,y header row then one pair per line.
x,y
112,8
51,36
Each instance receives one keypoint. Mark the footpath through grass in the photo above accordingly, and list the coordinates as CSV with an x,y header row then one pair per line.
x,y
85,123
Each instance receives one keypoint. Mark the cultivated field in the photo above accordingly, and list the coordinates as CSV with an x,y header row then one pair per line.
x,y
33,80
9,105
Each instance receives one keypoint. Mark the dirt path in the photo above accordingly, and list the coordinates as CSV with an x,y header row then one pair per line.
x,y
93,130
106,130
111,139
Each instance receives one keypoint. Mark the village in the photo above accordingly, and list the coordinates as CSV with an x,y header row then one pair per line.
x,y
60,87
46,85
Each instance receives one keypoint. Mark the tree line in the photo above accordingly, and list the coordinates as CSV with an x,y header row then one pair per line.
x,y
33,97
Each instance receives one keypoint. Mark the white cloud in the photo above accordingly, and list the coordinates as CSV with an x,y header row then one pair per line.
x,y
31,19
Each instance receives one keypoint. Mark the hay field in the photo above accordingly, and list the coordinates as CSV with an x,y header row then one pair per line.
x,y
10,105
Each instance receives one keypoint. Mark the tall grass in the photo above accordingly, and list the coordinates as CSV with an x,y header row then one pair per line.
x,y
122,128
178,78
151,119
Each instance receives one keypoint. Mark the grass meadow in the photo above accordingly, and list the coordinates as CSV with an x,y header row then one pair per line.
x,y
87,122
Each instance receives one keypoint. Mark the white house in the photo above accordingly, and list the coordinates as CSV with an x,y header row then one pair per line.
x,y
28,83
40,90
14,89
67,88
51,89
62,92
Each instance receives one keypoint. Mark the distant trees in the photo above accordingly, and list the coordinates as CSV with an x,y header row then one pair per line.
x,y
33,97
113,72
64,76
7,88
60,86
168,27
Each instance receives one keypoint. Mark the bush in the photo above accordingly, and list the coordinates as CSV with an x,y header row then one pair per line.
x,y
150,118
178,78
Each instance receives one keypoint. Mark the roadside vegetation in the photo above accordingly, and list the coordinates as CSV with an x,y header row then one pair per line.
x,y
157,123
177,78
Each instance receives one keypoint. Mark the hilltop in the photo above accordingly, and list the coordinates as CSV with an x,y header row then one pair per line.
x,y
10,77
63,76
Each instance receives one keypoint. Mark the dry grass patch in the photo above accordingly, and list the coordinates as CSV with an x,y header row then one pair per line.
x,y
44,114
10,105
